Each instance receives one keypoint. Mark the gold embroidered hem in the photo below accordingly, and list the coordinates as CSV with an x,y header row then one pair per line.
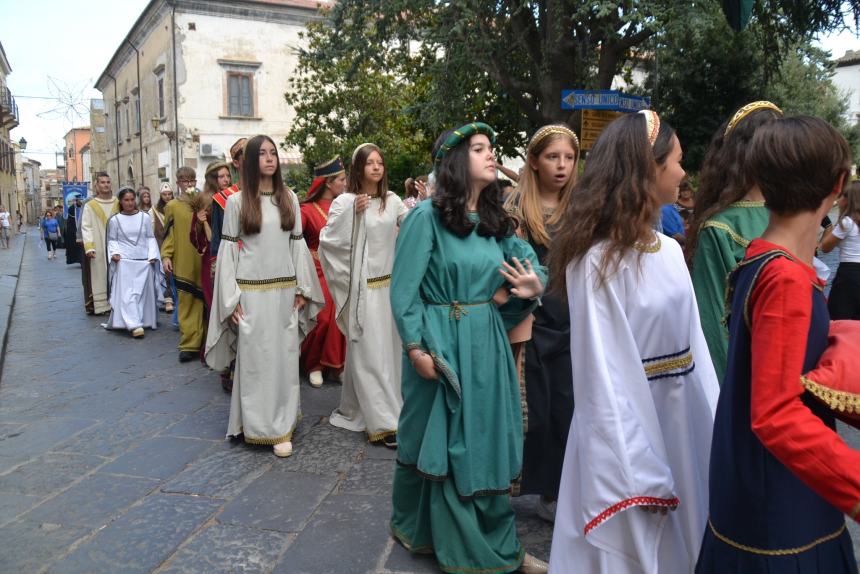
x,y
379,282
747,203
266,284
735,236
269,441
777,552
380,435
842,401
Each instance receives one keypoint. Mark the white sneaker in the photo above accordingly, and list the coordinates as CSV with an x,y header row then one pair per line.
x,y
546,510
316,379
283,449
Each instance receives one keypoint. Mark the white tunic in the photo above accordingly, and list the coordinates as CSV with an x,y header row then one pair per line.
x,y
136,284
96,212
357,253
645,393
264,272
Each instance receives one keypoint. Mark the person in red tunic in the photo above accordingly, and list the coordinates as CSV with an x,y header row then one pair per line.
x,y
781,477
325,346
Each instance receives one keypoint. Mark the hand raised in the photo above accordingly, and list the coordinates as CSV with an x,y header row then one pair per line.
x,y
525,282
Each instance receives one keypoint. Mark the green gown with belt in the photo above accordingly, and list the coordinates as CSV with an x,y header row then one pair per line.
x,y
460,436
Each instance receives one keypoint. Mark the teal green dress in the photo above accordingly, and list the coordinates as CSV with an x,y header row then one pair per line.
x,y
723,241
460,437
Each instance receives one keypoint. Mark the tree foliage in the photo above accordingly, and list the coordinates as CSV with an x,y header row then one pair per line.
x,y
399,72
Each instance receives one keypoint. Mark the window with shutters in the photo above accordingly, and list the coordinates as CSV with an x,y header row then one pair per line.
x,y
240,95
240,89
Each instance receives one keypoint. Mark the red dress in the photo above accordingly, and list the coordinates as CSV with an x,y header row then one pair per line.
x,y
325,346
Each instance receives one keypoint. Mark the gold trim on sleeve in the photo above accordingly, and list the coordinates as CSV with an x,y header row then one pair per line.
x,y
747,203
379,282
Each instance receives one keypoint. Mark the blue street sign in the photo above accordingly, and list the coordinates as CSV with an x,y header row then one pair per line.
x,y
603,100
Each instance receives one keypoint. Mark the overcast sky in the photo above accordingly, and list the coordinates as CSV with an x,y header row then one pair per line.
x,y
72,42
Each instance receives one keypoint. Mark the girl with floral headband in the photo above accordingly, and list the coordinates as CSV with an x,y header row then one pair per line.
x,y
539,201
729,212
356,250
633,494
461,278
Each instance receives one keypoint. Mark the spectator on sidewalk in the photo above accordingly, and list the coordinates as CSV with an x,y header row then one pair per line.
x,y
51,233
94,230
20,219
5,227
844,301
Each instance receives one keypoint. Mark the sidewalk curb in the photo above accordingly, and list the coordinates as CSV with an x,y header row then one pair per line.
x,y
11,271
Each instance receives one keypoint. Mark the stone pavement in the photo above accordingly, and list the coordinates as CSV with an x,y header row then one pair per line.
x,y
113,459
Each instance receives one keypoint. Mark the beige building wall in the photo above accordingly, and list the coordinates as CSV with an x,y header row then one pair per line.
x,y
213,40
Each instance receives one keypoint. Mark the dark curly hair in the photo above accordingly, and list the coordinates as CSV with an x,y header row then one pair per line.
x,y
723,179
451,196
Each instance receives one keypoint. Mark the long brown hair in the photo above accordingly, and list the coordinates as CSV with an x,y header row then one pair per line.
x,y
526,202
614,200
724,179
852,203
356,172
251,217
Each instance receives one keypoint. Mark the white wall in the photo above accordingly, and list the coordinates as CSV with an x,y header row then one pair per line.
x,y
847,79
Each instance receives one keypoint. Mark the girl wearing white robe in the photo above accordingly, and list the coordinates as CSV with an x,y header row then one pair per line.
x,y
259,280
634,488
357,253
136,284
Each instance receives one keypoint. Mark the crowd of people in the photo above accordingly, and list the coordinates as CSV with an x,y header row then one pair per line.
x,y
658,366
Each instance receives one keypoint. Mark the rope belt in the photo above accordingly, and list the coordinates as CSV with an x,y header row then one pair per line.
x,y
456,309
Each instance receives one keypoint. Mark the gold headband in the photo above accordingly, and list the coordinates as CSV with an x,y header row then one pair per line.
x,y
747,110
652,125
355,153
553,129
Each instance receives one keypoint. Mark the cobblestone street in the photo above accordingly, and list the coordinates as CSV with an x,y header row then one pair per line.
x,y
113,458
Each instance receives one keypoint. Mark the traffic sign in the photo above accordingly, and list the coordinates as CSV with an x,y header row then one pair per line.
x,y
603,100
593,123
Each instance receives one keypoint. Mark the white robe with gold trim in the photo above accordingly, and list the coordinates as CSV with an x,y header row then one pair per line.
x,y
357,252
645,393
136,281
264,272
94,233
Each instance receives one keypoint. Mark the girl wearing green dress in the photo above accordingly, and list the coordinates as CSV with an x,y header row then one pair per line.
x,y
461,278
728,213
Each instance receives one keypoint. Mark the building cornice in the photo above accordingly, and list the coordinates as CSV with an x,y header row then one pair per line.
x,y
4,61
298,12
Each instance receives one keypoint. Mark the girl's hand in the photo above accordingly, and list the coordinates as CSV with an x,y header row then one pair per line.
x,y
423,364
238,314
300,302
422,189
115,257
362,200
526,284
201,216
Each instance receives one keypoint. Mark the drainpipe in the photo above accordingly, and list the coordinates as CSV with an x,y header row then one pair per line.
x,y
175,87
139,120
115,126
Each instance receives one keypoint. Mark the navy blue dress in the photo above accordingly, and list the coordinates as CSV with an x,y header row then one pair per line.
x,y
763,519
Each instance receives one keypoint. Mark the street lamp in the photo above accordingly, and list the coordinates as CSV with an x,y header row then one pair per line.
x,y
156,122
22,143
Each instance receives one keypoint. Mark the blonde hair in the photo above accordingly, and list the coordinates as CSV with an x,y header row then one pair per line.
x,y
525,203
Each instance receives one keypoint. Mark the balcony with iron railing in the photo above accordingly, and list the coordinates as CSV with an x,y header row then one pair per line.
x,y
8,108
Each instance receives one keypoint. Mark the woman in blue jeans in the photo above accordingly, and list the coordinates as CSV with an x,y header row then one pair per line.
x,y
51,233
